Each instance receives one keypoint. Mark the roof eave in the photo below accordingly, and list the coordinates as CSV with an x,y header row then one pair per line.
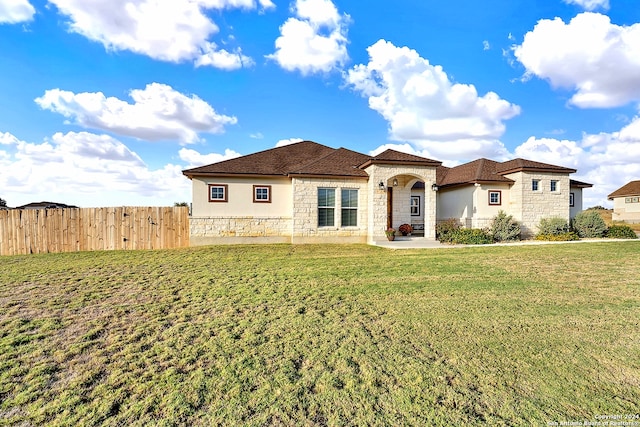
x,y
399,162
544,170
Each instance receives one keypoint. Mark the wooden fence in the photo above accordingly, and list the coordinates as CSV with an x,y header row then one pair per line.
x,y
89,229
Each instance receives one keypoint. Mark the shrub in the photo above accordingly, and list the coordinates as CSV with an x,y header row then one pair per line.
x,y
558,237
589,223
621,232
445,229
504,228
405,229
471,236
553,226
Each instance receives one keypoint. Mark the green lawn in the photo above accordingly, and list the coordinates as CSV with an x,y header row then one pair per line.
x,y
321,335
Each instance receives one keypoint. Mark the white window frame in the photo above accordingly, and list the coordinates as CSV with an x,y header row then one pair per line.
x,y
415,206
331,219
225,193
258,192
553,186
499,193
535,185
572,200
344,208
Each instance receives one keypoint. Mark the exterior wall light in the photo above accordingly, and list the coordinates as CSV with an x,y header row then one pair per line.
x,y
381,185
395,182
434,187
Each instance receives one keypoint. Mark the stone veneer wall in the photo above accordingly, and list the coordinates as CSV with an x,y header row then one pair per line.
x,y
401,198
529,207
305,211
217,230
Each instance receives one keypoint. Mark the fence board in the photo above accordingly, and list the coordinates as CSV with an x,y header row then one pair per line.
x,y
68,230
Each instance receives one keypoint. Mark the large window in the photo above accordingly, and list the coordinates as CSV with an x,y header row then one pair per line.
x,y
218,192
326,207
261,194
349,208
495,197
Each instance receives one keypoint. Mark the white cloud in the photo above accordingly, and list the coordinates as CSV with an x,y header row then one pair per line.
x,y
174,31
14,11
289,141
597,59
607,160
590,4
257,135
86,169
313,41
450,121
194,159
486,45
158,113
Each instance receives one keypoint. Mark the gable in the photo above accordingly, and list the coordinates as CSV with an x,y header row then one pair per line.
x,y
630,189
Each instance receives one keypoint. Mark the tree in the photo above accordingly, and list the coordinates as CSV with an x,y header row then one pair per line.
x,y
3,203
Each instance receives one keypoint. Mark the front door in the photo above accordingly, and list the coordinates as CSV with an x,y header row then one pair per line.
x,y
389,207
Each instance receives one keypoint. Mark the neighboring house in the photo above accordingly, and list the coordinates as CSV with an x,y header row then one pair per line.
x,y
307,192
626,203
46,205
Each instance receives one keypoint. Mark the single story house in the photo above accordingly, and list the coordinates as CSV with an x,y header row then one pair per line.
x,y
307,192
626,203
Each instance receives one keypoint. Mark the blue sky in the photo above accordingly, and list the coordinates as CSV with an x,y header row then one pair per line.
x,y
104,103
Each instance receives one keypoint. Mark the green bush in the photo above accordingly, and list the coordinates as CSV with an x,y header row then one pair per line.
x,y
445,229
621,232
553,226
504,228
589,223
567,236
470,236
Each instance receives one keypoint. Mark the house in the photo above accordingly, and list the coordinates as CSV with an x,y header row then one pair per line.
x,y
46,205
626,203
475,192
307,192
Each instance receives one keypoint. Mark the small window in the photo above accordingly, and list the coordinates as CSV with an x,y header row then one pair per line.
x,y
218,192
534,184
349,208
554,185
571,200
415,205
326,207
261,194
495,197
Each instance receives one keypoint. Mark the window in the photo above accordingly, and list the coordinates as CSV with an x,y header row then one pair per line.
x,y
632,199
554,185
534,184
495,197
415,205
326,206
349,208
261,194
218,192
571,200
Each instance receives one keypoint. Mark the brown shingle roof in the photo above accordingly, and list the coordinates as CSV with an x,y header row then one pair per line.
x,y
517,165
307,158
276,161
579,184
630,189
481,170
396,157
341,162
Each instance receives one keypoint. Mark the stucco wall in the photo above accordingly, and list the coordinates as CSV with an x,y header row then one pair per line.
x,y
240,198
470,204
577,202
623,211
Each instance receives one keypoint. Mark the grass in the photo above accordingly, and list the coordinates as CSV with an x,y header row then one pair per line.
x,y
321,335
